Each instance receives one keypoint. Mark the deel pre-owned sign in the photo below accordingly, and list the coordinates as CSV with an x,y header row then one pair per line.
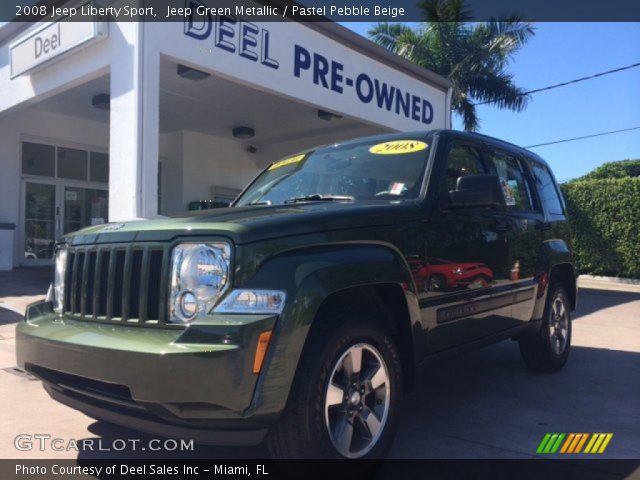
x,y
316,67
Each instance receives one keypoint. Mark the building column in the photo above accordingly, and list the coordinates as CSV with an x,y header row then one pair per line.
x,y
133,126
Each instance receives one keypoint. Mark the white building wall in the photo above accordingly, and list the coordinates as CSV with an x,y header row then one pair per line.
x,y
134,119
192,163
46,127
171,158
224,162
64,73
130,55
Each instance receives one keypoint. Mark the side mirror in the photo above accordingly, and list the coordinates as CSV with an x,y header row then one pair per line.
x,y
477,191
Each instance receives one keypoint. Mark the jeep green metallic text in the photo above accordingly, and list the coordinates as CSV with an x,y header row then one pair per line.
x,y
302,314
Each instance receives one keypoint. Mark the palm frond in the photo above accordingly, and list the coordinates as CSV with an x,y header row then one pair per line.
x,y
499,90
473,56
445,11
512,27
386,34
467,110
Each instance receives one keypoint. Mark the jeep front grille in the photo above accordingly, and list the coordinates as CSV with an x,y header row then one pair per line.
x,y
117,283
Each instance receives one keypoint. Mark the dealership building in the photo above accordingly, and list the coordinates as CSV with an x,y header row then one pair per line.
x,y
113,121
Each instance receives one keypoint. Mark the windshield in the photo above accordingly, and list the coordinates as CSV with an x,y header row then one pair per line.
x,y
371,169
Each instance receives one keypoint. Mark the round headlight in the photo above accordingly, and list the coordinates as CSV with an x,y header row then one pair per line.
x,y
200,274
203,268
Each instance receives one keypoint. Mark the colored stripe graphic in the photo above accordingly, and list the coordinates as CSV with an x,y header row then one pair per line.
x,y
598,443
581,443
574,442
568,442
550,443
543,443
556,445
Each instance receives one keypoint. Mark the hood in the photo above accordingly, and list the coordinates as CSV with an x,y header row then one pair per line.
x,y
252,223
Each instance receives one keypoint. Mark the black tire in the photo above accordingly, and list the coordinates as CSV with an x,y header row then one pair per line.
x,y
540,348
303,430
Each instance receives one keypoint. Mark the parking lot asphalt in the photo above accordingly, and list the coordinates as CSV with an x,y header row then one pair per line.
x,y
483,404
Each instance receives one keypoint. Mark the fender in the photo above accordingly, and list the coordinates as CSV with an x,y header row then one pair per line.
x,y
309,275
554,253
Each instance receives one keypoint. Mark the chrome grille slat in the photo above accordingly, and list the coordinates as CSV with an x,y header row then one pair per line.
x,y
126,280
164,283
118,283
84,285
74,280
68,276
96,284
111,283
144,285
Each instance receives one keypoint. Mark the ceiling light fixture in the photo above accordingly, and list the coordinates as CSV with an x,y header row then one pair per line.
x,y
191,73
327,116
101,101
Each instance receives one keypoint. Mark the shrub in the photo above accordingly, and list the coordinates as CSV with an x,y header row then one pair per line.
x,y
620,169
604,215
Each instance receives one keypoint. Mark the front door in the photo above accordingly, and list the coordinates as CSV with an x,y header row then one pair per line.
x,y
464,270
52,209
40,221
83,207
525,236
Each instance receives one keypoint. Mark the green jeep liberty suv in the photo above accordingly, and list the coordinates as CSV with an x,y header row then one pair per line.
x,y
302,314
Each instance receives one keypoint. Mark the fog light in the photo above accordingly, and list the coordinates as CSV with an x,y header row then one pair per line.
x,y
188,305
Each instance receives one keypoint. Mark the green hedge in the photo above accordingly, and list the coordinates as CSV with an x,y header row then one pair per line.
x,y
604,216
619,169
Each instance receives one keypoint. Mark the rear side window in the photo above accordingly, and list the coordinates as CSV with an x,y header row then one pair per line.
x,y
547,189
515,187
461,161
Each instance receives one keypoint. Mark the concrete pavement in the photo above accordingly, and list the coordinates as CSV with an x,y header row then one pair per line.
x,y
480,405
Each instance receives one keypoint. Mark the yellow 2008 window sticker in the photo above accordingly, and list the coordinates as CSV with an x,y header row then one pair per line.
x,y
398,146
287,161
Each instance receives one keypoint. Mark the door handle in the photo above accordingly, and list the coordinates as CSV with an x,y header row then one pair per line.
x,y
543,226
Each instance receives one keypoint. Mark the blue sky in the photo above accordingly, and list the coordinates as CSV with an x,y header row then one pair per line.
x,y
557,53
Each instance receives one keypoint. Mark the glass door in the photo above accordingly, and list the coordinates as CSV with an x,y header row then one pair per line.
x,y
40,230
54,209
83,207
64,189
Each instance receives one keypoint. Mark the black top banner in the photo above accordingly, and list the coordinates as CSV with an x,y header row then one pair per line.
x,y
318,10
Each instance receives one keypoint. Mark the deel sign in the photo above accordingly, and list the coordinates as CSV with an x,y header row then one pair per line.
x,y
46,43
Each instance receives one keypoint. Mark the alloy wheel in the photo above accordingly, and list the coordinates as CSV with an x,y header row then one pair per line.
x,y
558,326
357,400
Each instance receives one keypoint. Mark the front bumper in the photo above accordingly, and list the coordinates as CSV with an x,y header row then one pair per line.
x,y
195,382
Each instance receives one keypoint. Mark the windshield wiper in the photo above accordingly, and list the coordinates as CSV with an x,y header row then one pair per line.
x,y
316,197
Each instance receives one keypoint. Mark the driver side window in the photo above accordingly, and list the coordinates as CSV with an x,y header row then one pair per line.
x,y
462,160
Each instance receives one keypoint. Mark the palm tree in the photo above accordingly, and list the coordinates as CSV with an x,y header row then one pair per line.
x,y
474,56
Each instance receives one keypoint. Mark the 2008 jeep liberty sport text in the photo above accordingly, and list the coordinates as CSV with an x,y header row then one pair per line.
x,y
300,315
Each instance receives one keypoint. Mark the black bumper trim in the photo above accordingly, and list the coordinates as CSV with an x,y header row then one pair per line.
x,y
239,437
